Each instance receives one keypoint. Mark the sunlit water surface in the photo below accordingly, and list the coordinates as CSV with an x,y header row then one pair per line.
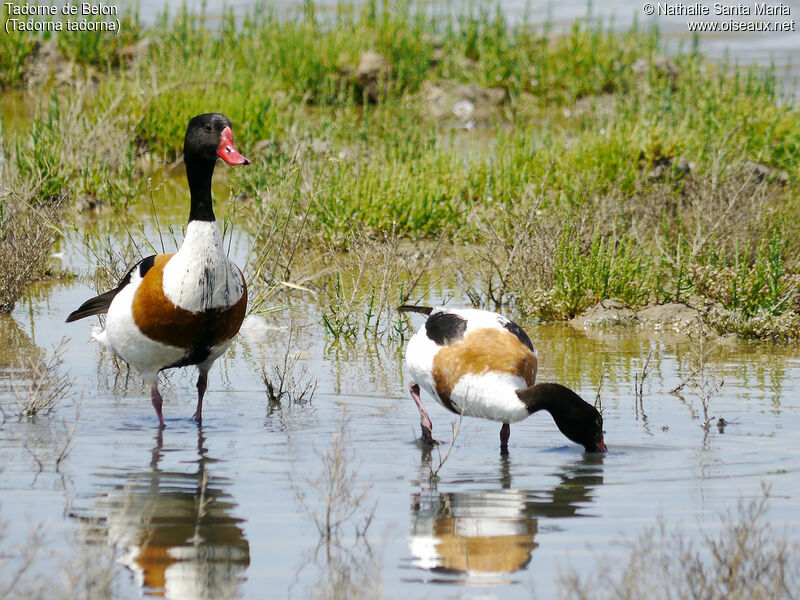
x,y
224,510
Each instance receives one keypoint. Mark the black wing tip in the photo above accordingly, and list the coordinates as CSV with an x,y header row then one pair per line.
x,y
93,306
99,304
82,313
425,310
519,332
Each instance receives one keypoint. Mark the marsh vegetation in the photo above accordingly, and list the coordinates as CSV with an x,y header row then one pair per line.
x,y
559,170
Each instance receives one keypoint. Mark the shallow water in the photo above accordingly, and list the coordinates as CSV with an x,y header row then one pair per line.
x,y
225,509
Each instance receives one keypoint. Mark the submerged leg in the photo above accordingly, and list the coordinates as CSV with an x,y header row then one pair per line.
x,y
155,396
202,384
424,420
505,433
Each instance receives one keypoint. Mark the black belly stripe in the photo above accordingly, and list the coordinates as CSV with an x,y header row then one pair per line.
x,y
448,404
446,401
195,332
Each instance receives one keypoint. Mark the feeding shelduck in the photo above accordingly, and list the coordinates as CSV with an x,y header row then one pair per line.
x,y
175,310
480,364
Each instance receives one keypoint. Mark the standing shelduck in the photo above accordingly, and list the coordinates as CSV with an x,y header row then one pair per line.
x,y
480,364
181,309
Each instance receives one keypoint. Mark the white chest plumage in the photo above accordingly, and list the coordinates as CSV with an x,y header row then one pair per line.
x,y
199,276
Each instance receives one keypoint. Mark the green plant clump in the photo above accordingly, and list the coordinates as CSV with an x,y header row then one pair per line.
x,y
660,178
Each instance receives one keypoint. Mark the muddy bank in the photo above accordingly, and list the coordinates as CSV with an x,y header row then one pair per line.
x,y
676,316
697,313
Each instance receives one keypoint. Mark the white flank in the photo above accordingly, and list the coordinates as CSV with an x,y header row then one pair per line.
x,y
490,395
419,361
126,341
200,277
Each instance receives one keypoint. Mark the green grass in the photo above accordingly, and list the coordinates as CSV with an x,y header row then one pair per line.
x,y
601,120
611,267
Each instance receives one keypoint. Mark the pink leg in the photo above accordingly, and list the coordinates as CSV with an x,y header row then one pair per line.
x,y
202,384
424,420
505,433
155,396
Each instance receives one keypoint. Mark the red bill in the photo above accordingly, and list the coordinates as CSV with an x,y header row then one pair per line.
x,y
227,151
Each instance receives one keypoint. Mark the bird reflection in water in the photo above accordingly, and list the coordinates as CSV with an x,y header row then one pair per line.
x,y
175,530
482,536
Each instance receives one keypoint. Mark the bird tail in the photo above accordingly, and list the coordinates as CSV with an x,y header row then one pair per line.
x,y
99,334
425,310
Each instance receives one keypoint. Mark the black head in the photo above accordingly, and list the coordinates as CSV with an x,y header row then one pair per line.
x,y
586,428
210,136
575,418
